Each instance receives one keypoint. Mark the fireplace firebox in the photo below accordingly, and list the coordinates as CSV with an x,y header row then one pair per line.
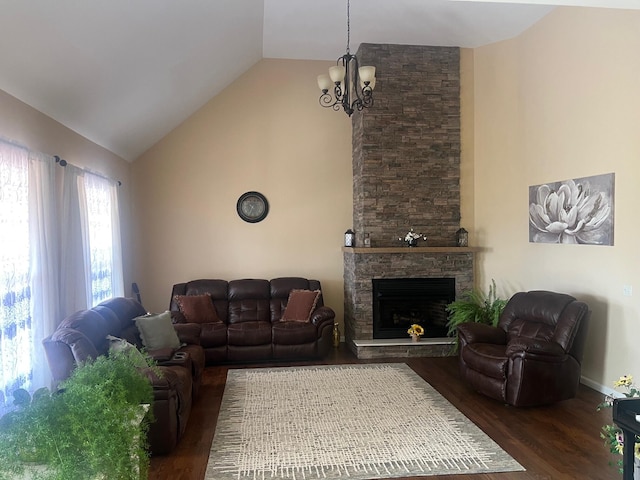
x,y
400,302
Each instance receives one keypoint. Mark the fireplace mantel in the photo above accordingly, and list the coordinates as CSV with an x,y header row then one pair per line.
x,y
364,264
382,250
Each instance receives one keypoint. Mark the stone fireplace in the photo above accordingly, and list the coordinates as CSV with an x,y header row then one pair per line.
x,y
406,174
399,303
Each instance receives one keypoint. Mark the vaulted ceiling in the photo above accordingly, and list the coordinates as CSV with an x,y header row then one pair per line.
x,y
124,73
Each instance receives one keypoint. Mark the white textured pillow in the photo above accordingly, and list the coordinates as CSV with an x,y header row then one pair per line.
x,y
156,331
117,344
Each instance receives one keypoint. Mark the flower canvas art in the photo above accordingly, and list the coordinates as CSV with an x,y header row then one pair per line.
x,y
576,211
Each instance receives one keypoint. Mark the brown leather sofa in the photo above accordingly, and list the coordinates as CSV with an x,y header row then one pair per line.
x,y
534,355
83,335
248,325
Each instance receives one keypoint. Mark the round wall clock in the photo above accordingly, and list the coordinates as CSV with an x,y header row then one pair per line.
x,y
252,207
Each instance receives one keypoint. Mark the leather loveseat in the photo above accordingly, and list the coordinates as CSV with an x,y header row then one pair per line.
x,y
83,335
250,318
533,356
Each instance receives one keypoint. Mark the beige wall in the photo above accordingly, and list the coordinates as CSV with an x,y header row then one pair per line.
x,y
467,135
562,101
25,125
266,132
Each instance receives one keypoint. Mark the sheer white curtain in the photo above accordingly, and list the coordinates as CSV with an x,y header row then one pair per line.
x,y
73,261
28,264
44,239
60,252
15,311
91,258
100,222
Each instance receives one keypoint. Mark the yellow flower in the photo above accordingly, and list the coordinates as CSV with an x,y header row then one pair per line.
x,y
416,330
624,381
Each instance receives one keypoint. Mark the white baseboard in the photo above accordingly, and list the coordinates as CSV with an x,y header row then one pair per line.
x,y
599,388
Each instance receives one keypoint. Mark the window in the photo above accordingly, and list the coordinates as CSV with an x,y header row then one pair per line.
x,y
15,291
60,252
103,233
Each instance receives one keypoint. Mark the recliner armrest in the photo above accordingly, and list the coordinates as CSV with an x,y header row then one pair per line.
x,y
481,333
161,354
521,345
322,315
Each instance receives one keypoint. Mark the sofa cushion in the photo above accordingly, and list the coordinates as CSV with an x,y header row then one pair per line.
x,y
249,333
213,335
157,331
294,333
300,305
197,308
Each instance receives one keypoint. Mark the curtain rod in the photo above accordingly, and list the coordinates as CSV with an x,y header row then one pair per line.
x,y
63,163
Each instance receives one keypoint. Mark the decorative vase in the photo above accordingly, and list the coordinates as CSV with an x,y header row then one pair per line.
x,y
336,335
415,338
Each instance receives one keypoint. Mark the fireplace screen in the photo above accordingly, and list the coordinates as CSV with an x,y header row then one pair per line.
x,y
400,302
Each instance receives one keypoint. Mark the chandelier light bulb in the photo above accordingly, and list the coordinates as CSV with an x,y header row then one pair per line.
x,y
367,74
324,82
337,73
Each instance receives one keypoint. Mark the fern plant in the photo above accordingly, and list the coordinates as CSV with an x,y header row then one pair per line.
x,y
474,306
91,426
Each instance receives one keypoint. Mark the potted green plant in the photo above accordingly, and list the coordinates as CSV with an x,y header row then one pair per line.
x,y
474,306
611,433
94,426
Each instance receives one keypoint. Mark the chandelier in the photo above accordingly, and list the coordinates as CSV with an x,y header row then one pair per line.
x,y
352,85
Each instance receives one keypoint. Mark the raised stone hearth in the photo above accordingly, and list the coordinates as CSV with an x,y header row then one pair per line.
x,y
403,348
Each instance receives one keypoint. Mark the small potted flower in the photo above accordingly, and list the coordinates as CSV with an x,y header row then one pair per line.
x,y
415,331
611,433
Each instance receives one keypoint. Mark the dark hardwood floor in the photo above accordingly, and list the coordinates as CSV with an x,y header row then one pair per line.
x,y
555,442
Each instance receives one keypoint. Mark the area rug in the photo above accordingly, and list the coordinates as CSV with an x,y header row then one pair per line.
x,y
348,421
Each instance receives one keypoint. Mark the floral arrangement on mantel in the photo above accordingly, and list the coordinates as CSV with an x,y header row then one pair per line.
x,y
611,434
415,331
412,238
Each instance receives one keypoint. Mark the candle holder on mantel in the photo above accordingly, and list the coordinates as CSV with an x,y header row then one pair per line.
x,y
462,238
349,238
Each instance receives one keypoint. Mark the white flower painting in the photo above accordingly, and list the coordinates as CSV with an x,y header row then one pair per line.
x,y
578,211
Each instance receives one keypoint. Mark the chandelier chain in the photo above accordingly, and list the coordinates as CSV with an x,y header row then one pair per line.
x,y
348,25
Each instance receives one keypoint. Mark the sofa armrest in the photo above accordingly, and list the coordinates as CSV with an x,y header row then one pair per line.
x,y
481,333
524,345
161,354
322,315
188,333
158,379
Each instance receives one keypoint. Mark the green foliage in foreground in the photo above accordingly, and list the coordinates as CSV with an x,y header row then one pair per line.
x,y
90,428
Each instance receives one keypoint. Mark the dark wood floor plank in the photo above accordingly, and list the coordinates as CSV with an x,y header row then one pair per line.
x,y
555,442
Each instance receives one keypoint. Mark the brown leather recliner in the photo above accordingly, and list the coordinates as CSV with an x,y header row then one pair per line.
x,y
83,335
533,356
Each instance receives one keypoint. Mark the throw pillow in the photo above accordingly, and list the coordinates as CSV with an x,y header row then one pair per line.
x,y
197,308
156,331
120,345
300,305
